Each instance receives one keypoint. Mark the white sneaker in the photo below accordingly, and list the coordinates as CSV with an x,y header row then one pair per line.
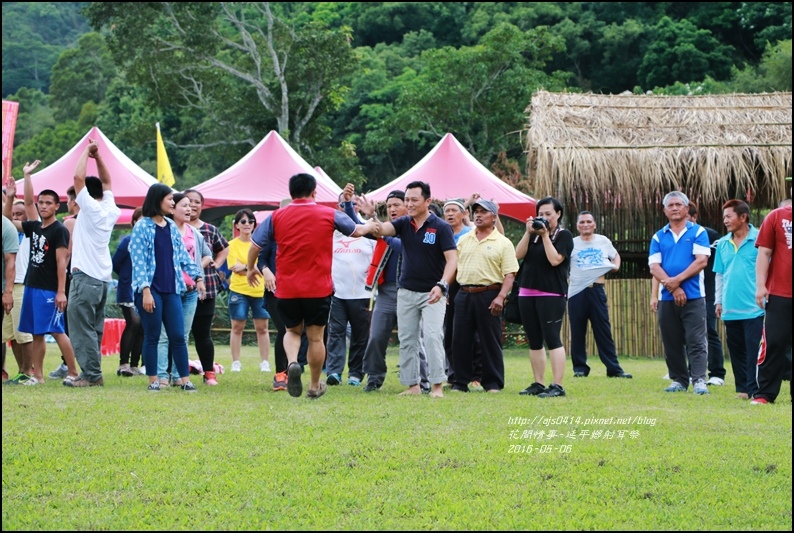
x,y
719,382
666,376
32,381
236,366
264,366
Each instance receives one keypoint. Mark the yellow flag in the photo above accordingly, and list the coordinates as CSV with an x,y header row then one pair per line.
x,y
164,174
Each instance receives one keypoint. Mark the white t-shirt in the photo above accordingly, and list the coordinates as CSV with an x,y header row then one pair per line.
x,y
589,261
352,256
23,258
91,235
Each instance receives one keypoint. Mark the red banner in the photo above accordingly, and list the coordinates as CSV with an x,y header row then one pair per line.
x,y
10,111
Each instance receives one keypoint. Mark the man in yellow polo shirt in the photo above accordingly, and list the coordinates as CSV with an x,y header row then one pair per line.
x,y
487,267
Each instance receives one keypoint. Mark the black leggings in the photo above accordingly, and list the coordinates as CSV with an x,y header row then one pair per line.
x,y
202,333
541,317
132,338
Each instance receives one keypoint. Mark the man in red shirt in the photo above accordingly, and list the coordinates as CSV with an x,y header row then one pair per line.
x,y
773,291
304,233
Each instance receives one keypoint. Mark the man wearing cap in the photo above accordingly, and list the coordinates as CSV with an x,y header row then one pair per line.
x,y
773,293
593,257
429,261
384,313
678,254
487,267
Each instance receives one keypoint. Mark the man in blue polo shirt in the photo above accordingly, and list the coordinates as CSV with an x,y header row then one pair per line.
x,y
734,294
429,261
678,254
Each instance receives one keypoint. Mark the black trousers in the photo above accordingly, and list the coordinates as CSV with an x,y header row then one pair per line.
x,y
773,362
590,305
474,319
449,325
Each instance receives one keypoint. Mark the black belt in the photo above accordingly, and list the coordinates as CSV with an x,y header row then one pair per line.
x,y
594,285
480,288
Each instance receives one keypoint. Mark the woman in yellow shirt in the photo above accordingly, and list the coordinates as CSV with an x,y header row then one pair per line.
x,y
243,297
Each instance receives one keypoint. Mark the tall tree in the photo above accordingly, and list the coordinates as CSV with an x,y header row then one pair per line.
x,y
81,75
682,52
211,56
479,93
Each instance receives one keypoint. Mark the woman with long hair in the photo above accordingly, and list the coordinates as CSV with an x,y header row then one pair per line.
x,y
158,259
132,337
200,253
546,249
244,298
205,310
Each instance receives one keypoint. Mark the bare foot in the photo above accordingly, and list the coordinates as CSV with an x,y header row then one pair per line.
x,y
743,396
411,391
437,391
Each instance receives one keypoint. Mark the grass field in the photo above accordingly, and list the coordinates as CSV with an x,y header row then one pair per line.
x,y
239,456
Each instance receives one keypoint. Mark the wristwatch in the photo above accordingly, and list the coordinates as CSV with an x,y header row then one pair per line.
x,y
444,286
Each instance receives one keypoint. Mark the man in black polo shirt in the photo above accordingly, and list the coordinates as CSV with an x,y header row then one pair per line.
x,y
429,261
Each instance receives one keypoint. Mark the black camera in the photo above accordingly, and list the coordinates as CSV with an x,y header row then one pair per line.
x,y
539,223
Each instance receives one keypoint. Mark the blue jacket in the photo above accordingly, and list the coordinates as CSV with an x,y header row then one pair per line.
x,y
142,255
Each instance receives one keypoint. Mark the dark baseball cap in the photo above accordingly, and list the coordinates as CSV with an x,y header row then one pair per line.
x,y
487,205
396,194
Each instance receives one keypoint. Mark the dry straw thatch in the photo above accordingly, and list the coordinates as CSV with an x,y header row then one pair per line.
x,y
626,151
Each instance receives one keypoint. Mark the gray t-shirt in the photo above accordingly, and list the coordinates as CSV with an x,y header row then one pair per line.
x,y
10,246
589,261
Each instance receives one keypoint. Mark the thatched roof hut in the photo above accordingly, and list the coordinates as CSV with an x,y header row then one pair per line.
x,y
622,153
619,149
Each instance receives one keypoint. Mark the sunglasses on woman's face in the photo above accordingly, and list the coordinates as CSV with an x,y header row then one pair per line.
x,y
246,221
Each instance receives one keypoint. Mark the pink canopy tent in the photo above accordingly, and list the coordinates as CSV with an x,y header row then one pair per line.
x,y
452,172
129,182
261,179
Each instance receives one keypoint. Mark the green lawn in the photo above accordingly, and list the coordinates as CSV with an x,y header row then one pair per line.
x,y
239,456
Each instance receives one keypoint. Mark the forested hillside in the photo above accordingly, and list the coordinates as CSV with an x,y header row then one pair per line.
x,y
363,89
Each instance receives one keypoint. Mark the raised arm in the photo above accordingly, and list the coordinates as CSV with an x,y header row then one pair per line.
x,y
80,169
8,201
101,168
30,201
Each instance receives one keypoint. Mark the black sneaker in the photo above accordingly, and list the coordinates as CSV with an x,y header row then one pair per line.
x,y
425,388
534,390
154,387
188,387
371,387
552,391
294,384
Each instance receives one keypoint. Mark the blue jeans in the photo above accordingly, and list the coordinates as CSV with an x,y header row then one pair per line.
x,y
189,303
167,313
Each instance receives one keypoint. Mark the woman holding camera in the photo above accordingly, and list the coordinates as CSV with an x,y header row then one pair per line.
x,y
546,249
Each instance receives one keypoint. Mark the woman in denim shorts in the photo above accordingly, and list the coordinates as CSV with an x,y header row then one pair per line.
x,y
244,298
